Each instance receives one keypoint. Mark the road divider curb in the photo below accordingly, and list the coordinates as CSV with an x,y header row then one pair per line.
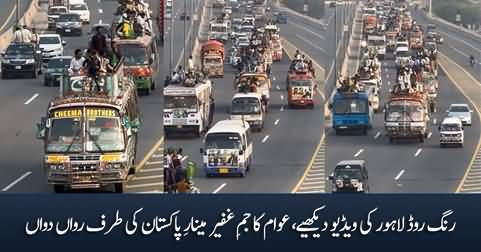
x,y
458,75
314,178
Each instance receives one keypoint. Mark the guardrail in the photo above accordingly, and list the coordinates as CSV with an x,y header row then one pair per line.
x,y
27,19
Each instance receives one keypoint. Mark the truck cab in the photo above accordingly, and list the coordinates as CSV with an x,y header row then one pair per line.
x,y
227,149
350,176
451,132
219,30
351,111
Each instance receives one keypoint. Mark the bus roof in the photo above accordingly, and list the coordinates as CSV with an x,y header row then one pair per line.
x,y
229,126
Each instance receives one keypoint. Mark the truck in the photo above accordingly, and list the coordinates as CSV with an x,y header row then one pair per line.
x,y
188,106
90,134
300,88
248,107
406,116
370,24
219,30
141,60
416,39
212,58
351,111
377,42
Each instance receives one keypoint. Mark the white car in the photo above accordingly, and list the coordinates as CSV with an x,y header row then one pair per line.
x,y
82,9
51,46
451,132
169,3
461,111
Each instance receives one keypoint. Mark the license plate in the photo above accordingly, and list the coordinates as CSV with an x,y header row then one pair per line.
x,y
18,67
223,170
179,126
68,30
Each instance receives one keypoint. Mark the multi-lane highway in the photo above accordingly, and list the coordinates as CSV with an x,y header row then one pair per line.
x,y
24,101
9,11
281,151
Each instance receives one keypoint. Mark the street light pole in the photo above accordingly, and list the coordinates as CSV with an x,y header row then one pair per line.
x,y
18,13
185,35
335,46
171,62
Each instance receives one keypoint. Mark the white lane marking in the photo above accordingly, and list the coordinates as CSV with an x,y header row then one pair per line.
x,y
387,76
418,152
6,188
399,174
430,134
309,31
101,11
459,51
377,135
154,162
144,185
434,120
462,41
101,21
310,43
359,152
31,99
276,122
282,108
389,83
383,110
150,170
274,78
219,188
265,139
282,97
278,88
9,17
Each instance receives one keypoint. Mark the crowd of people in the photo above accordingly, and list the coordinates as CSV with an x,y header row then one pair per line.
x,y
302,63
178,177
134,19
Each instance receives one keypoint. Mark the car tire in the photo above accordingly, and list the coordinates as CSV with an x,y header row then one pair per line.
x,y
58,188
421,139
119,187
461,145
4,76
34,74
46,83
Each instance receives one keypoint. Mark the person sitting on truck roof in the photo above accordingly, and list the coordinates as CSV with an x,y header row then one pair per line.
x,y
77,62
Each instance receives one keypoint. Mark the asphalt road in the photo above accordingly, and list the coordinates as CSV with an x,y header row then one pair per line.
x,y
8,13
403,167
21,154
281,151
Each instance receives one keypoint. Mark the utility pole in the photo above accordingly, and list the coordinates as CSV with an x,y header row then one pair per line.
x,y
18,13
335,47
185,26
171,62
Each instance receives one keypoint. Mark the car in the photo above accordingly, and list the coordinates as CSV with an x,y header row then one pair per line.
x,y
228,10
53,14
168,13
350,176
281,18
69,24
82,9
332,4
184,16
462,111
51,46
21,59
169,3
451,131
55,69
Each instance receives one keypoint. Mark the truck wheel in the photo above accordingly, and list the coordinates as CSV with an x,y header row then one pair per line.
x,y
119,187
460,145
147,91
153,85
364,131
58,188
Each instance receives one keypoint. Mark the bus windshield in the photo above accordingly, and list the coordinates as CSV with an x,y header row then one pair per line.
x,y
244,106
134,55
104,134
180,102
223,141
350,106
405,112
65,135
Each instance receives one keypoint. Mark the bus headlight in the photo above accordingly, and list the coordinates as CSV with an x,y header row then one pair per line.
x,y
113,158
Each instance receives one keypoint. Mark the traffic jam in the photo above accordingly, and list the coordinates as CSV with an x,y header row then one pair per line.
x,y
243,39
391,39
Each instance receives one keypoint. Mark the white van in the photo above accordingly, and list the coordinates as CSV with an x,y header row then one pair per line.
x,y
451,131
227,149
248,106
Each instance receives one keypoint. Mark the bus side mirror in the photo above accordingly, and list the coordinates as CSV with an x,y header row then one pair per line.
x,y
331,177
